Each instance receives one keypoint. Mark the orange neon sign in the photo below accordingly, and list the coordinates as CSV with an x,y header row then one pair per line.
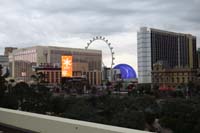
x,y
66,66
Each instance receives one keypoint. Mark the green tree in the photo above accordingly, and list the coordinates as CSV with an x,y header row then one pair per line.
x,y
57,105
180,115
79,108
41,98
20,90
9,101
118,86
39,77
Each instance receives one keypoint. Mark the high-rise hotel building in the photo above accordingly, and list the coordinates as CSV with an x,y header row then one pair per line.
x,y
174,50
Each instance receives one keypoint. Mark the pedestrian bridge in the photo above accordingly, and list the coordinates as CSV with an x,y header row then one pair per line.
x,y
26,122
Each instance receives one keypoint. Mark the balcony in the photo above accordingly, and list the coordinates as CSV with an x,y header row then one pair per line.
x,y
13,121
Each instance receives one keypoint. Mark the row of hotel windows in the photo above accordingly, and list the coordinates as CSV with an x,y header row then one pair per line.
x,y
55,77
75,53
55,57
28,57
25,52
174,73
173,80
52,77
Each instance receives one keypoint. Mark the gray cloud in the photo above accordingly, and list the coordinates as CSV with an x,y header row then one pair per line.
x,y
105,16
29,22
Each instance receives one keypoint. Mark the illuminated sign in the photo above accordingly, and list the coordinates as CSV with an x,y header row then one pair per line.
x,y
66,66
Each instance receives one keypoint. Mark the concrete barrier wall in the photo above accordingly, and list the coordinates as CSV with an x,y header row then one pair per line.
x,y
50,124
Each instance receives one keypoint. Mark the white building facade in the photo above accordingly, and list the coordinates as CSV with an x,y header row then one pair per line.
x,y
144,55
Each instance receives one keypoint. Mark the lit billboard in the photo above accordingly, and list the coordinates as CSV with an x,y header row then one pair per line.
x,y
66,66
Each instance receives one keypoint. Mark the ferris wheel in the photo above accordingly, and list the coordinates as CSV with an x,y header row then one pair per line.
x,y
108,44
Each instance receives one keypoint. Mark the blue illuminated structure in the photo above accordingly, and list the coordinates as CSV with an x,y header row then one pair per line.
x,y
127,72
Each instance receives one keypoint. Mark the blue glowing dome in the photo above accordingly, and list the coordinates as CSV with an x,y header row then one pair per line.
x,y
127,72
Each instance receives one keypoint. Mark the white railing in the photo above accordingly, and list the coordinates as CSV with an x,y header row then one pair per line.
x,y
50,124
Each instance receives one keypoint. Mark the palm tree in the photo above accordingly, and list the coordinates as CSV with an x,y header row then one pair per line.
x,y
2,84
39,77
6,74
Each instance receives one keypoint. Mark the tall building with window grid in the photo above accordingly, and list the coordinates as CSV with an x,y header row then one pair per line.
x,y
175,50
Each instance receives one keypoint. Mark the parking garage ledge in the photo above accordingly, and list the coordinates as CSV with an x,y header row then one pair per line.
x,y
50,124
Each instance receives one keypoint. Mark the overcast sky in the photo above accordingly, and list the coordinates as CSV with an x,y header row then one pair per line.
x,y
72,23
